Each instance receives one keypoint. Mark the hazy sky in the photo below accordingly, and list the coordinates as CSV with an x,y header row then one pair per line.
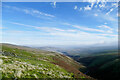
x,y
59,23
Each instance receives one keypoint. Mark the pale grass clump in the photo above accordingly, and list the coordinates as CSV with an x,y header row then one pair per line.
x,y
15,68
1,61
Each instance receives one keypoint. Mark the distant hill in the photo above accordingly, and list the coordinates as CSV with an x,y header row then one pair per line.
x,y
26,62
81,51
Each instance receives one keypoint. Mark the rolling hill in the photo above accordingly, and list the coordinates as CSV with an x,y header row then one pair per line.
x,y
102,67
25,62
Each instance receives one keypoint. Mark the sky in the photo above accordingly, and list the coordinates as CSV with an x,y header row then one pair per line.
x,y
59,23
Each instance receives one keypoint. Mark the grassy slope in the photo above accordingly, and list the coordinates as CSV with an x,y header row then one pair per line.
x,y
103,66
24,62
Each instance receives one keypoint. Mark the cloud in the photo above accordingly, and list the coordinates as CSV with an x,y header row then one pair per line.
x,y
109,18
49,29
75,7
23,24
87,8
112,35
115,4
54,29
30,11
105,26
68,24
87,29
109,11
105,23
80,9
103,16
92,4
102,28
33,11
58,36
102,5
53,4
99,7
95,14
36,13
84,37
108,29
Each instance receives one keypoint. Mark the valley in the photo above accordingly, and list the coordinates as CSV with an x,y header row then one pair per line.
x,y
101,62
102,66
27,62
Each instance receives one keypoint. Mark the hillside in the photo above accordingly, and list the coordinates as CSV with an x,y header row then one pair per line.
x,y
102,67
25,62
